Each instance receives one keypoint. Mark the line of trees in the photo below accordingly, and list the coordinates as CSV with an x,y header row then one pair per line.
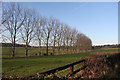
x,y
28,26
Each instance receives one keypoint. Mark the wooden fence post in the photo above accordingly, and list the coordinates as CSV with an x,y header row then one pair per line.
x,y
71,70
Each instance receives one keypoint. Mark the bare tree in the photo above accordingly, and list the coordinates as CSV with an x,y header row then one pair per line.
x,y
27,30
12,20
72,39
59,37
47,29
39,32
55,25
67,36
64,39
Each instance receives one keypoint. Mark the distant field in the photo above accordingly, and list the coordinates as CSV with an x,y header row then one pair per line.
x,y
106,50
20,51
31,65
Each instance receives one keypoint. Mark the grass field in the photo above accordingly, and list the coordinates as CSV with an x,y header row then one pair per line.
x,y
30,65
20,51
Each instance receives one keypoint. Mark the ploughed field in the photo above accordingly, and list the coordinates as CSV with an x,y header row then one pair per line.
x,y
21,67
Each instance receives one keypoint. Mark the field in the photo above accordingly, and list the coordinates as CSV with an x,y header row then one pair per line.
x,y
30,65
20,51
33,65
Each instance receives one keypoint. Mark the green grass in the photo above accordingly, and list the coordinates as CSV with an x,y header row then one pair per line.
x,y
30,65
106,50
20,51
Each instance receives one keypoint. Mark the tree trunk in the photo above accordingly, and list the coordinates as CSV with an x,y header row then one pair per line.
x,y
73,49
67,46
76,49
67,49
47,48
39,47
54,48
58,50
63,50
13,54
26,53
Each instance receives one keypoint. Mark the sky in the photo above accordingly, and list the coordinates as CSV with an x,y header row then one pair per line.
x,y
97,20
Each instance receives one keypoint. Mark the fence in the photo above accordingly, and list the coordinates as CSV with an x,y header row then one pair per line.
x,y
72,72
